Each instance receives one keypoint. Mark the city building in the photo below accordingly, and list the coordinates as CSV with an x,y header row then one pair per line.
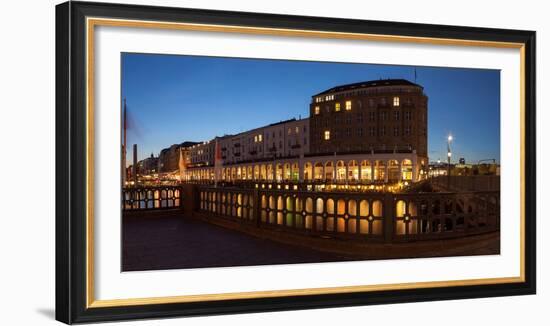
x,y
379,116
369,132
169,157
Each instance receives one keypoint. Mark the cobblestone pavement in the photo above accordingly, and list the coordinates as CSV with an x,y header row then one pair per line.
x,y
176,242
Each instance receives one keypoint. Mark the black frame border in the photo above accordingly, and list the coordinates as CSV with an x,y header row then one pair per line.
x,y
71,162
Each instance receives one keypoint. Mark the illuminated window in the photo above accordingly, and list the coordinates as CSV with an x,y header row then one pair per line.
x,y
348,105
396,101
327,134
255,139
336,107
317,110
259,138
297,129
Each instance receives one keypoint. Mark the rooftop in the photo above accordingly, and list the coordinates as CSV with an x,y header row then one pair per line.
x,y
368,84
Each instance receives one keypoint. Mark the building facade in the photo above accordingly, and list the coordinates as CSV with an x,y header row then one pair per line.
x,y
377,116
369,132
168,160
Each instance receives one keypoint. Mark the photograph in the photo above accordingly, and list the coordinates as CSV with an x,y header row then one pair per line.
x,y
234,161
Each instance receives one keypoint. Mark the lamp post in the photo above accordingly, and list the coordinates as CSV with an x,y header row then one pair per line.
x,y
449,154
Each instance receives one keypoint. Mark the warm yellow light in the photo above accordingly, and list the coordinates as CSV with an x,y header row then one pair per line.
x,y
396,101
327,134
348,105
337,107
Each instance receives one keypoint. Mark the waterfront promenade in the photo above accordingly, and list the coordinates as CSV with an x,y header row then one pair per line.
x,y
197,226
175,242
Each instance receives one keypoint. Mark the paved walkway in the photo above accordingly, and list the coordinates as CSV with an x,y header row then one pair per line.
x,y
175,242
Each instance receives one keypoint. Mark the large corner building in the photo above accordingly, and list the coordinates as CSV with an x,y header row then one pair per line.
x,y
368,132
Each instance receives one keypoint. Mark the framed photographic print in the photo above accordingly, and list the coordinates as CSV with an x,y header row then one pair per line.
x,y
214,162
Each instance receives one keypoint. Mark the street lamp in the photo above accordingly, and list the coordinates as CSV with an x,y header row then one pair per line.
x,y
449,154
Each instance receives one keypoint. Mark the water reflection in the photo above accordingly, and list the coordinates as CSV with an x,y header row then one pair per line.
x,y
150,198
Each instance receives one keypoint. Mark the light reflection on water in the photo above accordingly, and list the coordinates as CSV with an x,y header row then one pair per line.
x,y
150,198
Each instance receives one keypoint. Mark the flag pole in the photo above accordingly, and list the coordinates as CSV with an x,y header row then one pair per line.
x,y
124,150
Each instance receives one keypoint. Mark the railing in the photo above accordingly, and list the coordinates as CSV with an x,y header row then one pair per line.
x,y
369,216
294,185
340,215
151,198
354,215
445,215
231,203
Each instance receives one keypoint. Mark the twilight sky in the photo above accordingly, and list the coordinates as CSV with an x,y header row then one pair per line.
x,y
173,98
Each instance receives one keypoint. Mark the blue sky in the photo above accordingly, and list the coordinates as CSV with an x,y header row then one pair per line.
x,y
173,98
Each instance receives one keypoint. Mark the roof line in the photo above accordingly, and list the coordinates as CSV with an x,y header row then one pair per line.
x,y
368,84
